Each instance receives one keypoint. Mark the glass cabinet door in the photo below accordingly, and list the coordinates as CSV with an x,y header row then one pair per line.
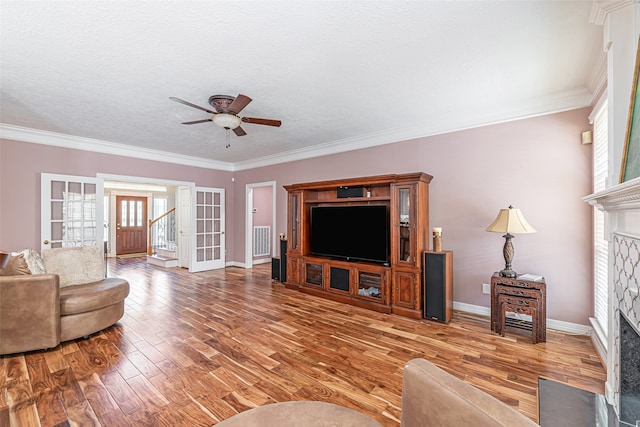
x,y
370,284
405,225
294,221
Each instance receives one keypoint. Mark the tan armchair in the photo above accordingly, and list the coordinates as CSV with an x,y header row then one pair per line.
x,y
29,312
72,300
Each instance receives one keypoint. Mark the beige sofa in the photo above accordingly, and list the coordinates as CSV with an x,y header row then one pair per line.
x,y
70,299
430,398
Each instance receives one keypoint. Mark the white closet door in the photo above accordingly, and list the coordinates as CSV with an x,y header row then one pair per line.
x,y
71,211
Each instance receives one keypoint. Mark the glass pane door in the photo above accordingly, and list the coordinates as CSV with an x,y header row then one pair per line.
x,y
209,229
69,215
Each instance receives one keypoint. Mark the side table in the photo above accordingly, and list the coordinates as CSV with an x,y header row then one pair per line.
x,y
517,295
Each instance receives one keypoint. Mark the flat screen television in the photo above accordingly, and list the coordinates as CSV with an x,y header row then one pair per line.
x,y
352,233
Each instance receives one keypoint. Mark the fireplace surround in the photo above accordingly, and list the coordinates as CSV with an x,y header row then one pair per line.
x,y
621,204
629,373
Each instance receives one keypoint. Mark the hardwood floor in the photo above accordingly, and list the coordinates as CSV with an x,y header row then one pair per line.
x,y
194,349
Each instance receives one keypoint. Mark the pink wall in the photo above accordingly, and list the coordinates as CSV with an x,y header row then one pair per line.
x,y
22,163
537,165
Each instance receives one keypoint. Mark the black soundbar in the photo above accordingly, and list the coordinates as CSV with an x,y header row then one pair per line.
x,y
348,192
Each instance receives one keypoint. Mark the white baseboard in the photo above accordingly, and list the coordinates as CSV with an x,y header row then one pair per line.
x,y
559,325
244,265
235,264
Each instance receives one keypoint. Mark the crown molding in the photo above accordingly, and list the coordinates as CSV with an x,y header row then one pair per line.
x,y
601,8
35,136
598,80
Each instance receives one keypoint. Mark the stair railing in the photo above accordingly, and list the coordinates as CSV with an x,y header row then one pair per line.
x,y
162,232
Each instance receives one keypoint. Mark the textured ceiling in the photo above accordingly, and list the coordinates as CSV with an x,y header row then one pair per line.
x,y
339,74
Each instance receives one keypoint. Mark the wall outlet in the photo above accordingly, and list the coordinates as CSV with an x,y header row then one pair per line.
x,y
486,288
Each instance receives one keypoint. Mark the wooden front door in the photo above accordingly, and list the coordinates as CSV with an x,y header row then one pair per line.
x,y
131,225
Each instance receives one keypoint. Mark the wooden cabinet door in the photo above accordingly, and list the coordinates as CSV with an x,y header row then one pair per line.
x,y
293,270
404,289
314,274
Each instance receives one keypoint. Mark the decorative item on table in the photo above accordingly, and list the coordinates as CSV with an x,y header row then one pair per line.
x,y
437,239
509,221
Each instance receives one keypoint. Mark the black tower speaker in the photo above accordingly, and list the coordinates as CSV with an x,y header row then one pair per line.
x,y
283,260
438,271
275,268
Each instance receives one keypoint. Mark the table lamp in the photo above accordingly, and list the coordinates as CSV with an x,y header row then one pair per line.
x,y
509,221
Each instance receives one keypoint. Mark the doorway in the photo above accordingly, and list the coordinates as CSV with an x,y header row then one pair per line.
x,y
249,220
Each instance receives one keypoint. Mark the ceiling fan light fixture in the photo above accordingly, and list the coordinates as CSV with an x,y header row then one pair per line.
x,y
228,121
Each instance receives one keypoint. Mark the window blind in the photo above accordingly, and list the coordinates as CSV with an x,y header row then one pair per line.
x,y
601,245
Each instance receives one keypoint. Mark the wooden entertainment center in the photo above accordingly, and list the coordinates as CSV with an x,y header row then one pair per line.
x,y
393,287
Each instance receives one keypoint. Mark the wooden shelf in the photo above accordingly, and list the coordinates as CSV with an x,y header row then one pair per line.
x,y
349,200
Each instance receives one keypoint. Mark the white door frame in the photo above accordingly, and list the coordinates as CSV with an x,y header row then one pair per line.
x,y
183,222
248,246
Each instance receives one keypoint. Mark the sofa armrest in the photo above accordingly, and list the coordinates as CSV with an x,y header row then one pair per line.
x,y
433,397
29,312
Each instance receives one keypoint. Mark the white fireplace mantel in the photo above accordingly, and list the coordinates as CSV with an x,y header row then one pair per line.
x,y
625,196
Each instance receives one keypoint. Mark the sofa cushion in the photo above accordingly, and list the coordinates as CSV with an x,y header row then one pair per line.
x,y
16,266
33,259
92,296
75,266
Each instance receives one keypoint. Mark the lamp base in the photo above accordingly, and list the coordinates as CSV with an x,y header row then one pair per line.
x,y
508,273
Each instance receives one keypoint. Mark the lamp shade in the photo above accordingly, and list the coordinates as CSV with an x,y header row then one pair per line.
x,y
228,121
510,220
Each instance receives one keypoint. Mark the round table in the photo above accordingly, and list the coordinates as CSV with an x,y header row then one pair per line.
x,y
303,413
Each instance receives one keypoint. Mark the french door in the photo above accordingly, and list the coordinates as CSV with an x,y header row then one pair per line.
x,y
71,211
208,253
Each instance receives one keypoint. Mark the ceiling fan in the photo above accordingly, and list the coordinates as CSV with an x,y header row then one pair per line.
x,y
225,113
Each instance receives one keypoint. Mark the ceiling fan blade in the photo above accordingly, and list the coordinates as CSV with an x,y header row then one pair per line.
x,y
257,121
182,101
239,103
239,131
196,122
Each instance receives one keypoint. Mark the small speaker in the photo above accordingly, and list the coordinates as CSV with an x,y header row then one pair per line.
x,y
347,192
438,286
283,260
339,279
275,268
